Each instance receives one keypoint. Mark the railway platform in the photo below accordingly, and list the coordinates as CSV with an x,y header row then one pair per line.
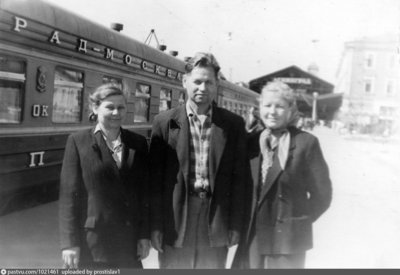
x,y
359,230
29,238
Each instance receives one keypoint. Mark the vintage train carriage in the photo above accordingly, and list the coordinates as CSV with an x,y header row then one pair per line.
x,y
50,61
237,99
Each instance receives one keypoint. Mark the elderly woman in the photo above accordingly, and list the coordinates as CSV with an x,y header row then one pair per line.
x,y
103,193
291,186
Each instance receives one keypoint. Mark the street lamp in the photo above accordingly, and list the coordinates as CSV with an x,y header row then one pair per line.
x,y
229,38
314,107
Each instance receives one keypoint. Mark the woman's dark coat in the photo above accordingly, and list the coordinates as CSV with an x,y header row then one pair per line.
x,y
281,215
104,210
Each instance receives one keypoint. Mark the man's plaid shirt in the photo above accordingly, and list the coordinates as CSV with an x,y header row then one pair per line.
x,y
200,130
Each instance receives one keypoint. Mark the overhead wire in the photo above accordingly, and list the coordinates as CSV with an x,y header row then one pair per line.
x,y
186,24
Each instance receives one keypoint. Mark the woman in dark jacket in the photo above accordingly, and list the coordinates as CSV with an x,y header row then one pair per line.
x,y
291,186
103,210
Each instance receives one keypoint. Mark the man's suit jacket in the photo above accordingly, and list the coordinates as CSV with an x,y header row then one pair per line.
x,y
282,212
169,158
104,210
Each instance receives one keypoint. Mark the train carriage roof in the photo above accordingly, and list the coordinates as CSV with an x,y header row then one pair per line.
x,y
66,21
241,89
57,18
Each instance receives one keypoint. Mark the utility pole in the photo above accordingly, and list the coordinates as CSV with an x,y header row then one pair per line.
x,y
230,68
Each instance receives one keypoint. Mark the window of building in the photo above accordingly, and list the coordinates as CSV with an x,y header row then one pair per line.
x,y
369,60
392,61
67,97
12,86
142,103
182,97
390,87
387,111
368,85
165,99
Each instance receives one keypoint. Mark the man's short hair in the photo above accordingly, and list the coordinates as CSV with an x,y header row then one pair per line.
x,y
203,60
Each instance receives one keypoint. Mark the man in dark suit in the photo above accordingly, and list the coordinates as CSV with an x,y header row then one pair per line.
x,y
291,186
197,156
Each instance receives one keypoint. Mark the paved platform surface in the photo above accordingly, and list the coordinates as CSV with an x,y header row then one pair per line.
x,y
360,230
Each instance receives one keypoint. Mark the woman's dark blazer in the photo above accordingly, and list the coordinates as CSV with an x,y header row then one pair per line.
x,y
282,212
104,210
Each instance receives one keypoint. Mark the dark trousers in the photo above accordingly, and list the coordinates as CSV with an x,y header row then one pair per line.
x,y
115,247
196,251
274,261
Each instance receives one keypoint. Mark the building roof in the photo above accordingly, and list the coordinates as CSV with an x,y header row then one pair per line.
x,y
291,72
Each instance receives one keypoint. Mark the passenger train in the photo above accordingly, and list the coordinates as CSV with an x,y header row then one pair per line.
x,y
50,61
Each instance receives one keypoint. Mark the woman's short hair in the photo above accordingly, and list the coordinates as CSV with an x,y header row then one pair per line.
x,y
287,94
283,89
101,93
203,60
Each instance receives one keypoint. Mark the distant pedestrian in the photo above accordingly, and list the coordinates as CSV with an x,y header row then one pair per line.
x,y
253,122
291,186
300,121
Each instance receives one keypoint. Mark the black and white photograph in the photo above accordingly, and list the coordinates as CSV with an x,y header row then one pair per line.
x,y
199,134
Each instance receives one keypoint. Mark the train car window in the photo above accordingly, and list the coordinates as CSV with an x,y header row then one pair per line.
x,y
116,81
182,98
12,86
220,101
67,98
245,111
142,103
165,99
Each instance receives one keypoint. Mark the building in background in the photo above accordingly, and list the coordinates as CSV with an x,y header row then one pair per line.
x,y
310,89
368,76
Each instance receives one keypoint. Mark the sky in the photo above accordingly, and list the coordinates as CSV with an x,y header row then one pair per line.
x,y
250,38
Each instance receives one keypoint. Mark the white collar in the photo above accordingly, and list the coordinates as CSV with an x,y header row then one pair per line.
x,y
191,112
112,144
